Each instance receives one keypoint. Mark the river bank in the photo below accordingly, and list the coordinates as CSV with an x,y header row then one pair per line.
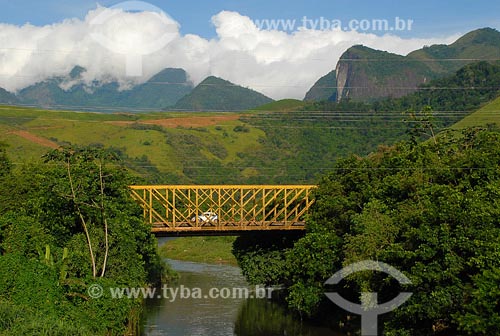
x,y
209,250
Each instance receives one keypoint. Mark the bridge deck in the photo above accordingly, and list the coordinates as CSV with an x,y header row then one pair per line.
x,y
220,209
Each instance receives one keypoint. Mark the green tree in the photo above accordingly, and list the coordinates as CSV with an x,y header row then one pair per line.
x,y
421,124
5,169
5,165
87,179
45,268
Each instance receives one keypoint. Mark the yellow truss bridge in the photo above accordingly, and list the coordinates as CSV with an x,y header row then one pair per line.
x,y
223,209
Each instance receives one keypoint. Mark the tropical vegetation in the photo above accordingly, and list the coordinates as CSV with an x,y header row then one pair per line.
x,y
429,209
67,226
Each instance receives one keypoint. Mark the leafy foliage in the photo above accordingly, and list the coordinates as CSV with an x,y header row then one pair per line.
x,y
430,210
5,165
46,267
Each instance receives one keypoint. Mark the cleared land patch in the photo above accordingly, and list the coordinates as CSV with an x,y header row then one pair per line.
x,y
197,121
35,139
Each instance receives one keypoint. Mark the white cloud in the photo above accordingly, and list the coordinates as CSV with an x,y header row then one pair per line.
x,y
276,63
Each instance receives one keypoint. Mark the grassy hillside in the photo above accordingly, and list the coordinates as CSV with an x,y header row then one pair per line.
x,y
284,105
254,147
166,147
489,114
478,44
212,250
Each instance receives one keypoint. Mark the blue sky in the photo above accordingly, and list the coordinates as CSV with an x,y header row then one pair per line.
x,y
431,17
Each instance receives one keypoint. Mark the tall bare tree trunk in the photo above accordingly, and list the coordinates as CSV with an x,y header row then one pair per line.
x,y
84,224
103,215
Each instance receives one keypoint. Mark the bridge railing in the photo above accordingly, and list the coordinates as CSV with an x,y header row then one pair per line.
x,y
224,208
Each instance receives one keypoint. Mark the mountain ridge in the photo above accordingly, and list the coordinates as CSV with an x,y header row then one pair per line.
x,y
217,94
7,97
366,74
162,90
170,88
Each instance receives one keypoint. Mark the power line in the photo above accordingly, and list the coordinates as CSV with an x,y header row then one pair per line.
x,y
422,86
312,118
333,167
113,110
398,58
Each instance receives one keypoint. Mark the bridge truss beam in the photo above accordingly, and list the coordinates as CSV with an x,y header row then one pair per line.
x,y
233,208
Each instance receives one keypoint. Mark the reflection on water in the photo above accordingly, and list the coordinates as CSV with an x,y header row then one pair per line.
x,y
193,316
266,318
219,317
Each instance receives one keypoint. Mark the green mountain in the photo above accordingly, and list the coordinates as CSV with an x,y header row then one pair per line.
x,y
365,74
162,90
324,88
452,98
216,94
7,98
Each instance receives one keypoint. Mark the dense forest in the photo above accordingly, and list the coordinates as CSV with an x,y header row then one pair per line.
x,y
65,226
429,209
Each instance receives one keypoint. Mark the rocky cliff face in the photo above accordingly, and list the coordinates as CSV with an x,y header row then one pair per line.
x,y
366,74
343,73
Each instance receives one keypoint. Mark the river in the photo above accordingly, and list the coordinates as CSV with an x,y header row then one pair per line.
x,y
198,315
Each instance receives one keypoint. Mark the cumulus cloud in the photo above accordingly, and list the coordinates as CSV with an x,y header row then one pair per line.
x,y
277,63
